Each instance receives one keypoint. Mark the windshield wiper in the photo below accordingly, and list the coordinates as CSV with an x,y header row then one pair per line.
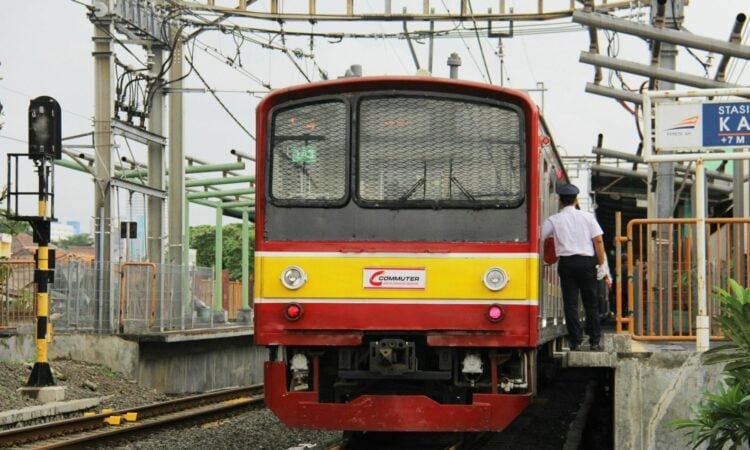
x,y
411,190
463,189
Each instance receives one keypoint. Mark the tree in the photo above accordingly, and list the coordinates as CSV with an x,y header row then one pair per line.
x,y
723,418
78,240
203,239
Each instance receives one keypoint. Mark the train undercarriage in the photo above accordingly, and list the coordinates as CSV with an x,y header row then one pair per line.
x,y
397,382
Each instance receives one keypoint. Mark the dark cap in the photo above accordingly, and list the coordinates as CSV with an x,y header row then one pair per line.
x,y
567,189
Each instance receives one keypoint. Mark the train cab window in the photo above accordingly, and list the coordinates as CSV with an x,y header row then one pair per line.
x,y
309,155
439,152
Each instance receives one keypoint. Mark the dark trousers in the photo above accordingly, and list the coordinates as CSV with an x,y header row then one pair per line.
x,y
578,275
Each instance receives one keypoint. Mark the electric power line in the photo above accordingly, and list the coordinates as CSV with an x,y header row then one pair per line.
x,y
216,97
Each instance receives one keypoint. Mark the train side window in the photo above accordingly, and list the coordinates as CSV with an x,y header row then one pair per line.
x,y
308,157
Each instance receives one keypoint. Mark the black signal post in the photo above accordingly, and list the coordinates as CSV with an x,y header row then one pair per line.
x,y
44,147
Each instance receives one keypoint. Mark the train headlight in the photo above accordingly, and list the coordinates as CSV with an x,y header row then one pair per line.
x,y
293,277
495,278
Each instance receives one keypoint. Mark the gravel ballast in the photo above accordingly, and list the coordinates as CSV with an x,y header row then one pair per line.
x,y
258,429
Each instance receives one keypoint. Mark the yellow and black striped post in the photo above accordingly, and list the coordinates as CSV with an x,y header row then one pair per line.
x,y
45,146
41,374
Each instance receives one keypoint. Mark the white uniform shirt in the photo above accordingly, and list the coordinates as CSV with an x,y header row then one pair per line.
x,y
573,230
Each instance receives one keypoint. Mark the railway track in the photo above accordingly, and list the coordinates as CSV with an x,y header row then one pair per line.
x,y
556,419
117,424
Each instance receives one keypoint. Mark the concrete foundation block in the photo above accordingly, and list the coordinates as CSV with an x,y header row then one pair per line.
x,y
31,413
245,316
135,326
220,316
44,394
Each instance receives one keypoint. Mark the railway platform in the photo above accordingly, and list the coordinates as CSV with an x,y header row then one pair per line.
x,y
175,362
654,383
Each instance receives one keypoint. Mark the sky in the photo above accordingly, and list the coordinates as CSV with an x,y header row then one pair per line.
x,y
45,49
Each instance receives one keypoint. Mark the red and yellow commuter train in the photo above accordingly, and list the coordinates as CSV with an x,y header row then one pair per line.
x,y
398,279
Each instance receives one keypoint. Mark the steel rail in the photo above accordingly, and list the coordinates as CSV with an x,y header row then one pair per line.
x,y
92,428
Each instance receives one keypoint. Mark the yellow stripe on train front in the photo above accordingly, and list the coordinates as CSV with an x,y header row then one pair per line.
x,y
448,277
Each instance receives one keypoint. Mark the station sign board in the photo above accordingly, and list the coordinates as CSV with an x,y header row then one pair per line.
x,y
693,126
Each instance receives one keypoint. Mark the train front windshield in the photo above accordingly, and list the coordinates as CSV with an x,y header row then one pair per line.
x,y
405,152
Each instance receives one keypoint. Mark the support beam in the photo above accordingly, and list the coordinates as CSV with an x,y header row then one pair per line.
x,y
231,212
215,181
345,11
227,193
238,204
608,22
652,72
149,191
214,167
735,37
711,174
139,173
240,155
617,94
140,135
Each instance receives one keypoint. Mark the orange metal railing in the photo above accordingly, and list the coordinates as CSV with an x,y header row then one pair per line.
x,y
661,277
145,297
17,293
142,285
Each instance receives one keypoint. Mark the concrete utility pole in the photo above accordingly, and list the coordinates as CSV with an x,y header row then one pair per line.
x,y
103,168
155,158
666,14
176,200
666,58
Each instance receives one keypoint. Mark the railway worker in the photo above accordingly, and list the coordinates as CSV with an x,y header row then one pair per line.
x,y
581,262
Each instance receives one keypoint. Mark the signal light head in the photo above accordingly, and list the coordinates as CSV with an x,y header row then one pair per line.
x,y
495,279
293,277
293,311
495,313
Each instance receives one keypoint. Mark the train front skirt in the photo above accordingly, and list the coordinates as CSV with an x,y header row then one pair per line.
x,y
487,411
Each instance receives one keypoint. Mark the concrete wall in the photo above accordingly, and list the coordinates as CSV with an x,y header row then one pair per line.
x,y
652,389
174,367
114,352
202,365
655,383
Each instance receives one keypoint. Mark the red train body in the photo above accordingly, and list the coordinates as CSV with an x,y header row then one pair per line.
x,y
398,281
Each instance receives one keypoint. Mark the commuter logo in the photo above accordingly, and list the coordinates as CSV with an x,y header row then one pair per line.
x,y
394,278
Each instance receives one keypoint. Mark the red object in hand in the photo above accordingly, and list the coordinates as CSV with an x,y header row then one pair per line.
x,y
548,253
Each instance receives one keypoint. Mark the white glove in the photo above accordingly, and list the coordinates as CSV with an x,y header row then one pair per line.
x,y
602,270
602,273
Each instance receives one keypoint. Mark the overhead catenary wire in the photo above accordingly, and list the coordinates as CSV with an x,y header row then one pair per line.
x,y
678,26
189,59
285,50
216,54
468,49
451,33
238,32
